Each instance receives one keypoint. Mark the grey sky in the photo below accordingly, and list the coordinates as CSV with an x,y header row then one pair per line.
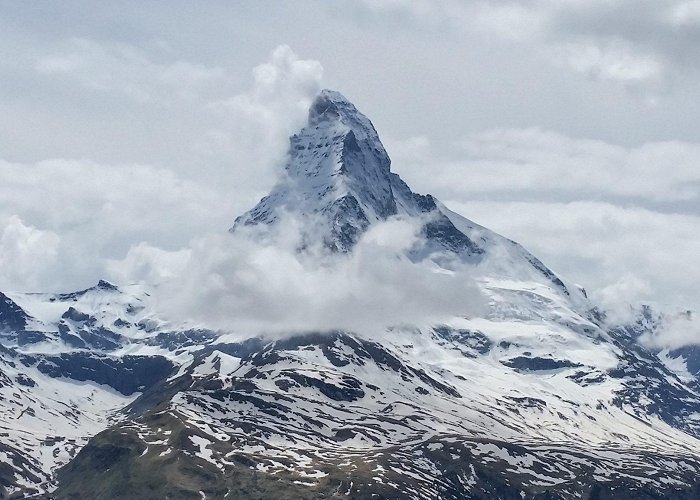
x,y
569,126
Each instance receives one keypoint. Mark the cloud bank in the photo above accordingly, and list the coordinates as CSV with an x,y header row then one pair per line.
x,y
533,160
676,329
248,285
66,222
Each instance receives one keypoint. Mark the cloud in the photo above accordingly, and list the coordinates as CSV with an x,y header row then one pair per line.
x,y
183,140
252,286
124,68
685,13
207,122
26,253
622,255
614,60
507,19
71,217
631,42
83,195
283,85
147,264
539,162
618,297
260,120
100,211
621,221
676,329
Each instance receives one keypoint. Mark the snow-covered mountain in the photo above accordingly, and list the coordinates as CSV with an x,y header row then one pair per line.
x,y
538,397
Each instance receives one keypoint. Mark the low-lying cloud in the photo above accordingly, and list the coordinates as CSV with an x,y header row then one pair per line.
x,y
676,329
248,285
61,221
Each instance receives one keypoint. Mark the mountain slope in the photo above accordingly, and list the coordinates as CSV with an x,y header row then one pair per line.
x,y
537,397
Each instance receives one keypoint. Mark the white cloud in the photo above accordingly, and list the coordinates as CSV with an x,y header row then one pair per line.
x,y
685,13
508,19
147,264
124,68
74,194
26,254
609,249
277,103
603,224
285,73
634,43
237,283
252,128
99,211
425,10
620,298
676,329
71,217
615,60
221,151
537,161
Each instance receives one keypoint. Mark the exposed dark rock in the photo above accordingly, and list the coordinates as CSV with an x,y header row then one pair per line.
x,y
587,378
528,402
691,355
475,341
537,363
24,380
349,389
177,340
77,316
25,337
127,374
12,317
448,236
348,222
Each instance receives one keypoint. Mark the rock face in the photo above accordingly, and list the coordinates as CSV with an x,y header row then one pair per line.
x,y
12,318
339,179
538,398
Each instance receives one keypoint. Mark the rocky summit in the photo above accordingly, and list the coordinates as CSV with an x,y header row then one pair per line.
x,y
538,397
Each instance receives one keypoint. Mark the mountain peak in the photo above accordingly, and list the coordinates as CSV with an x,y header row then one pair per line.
x,y
337,166
338,182
339,172
332,110
105,285
329,106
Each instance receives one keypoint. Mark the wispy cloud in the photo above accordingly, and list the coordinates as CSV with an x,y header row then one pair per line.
x,y
127,69
245,285
633,43
538,161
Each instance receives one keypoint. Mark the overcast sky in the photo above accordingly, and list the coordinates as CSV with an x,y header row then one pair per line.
x,y
128,131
